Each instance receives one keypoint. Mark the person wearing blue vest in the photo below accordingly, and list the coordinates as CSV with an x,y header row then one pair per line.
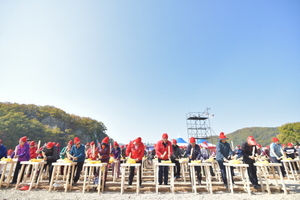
x,y
276,154
224,154
77,154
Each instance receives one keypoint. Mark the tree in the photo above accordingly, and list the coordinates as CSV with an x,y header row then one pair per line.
x,y
290,132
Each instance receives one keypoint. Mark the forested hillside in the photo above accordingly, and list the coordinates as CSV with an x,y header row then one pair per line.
x,y
45,123
263,135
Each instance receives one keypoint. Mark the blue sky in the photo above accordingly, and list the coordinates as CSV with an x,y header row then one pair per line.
x,y
141,66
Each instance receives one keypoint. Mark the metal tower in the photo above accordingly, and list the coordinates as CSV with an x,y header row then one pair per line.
x,y
198,124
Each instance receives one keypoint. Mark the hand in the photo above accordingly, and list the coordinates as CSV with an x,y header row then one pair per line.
x,y
45,158
137,160
252,157
190,156
75,158
225,160
278,158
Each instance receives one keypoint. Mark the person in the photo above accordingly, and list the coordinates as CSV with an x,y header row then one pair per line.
x,y
23,154
87,147
238,151
3,154
224,154
290,151
116,154
194,153
135,150
58,150
50,155
266,152
123,151
163,151
183,152
103,155
205,152
276,154
175,158
77,154
259,149
66,150
249,151
32,150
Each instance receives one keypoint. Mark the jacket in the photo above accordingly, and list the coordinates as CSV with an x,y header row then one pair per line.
x,y
223,151
3,151
23,152
163,150
51,154
136,152
79,153
196,152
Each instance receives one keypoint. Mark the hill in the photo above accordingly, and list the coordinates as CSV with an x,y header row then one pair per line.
x,y
45,123
262,135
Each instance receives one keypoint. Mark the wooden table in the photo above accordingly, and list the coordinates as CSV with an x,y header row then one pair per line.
x,y
206,167
290,168
10,172
35,173
242,168
216,169
262,171
88,176
171,171
67,174
123,169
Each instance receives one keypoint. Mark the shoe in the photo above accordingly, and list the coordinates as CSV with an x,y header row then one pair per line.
x,y
199,182
234,186
128,187
25,187
257,187
226,186
74,184
13,182
178,177
141,186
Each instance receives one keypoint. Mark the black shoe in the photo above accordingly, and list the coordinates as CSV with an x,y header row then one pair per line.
x,y
226,186
13,182
257,187
74,184
178,177
141,186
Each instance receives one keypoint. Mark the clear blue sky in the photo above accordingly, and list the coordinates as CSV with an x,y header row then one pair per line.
x,y
141,66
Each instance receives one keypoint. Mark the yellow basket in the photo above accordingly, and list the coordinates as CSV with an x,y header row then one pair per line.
x,y
262,162
131,161
94,162
6,159
166,161
36,160
235,162
287,159
196,161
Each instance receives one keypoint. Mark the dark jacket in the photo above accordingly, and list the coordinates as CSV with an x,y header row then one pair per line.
x,y
247,152
51,154
196,152
176,152
223,151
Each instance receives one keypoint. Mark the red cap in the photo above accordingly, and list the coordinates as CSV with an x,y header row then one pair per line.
x,y
267,147
0,141
222,136
164,136
122,146
87,144
275,139
137,140
251,140
49,145
289,144
76,140
115,143
23,139
174,141
92,143
58,144
70,142
32,143
258,145
105,140
192,140
205,142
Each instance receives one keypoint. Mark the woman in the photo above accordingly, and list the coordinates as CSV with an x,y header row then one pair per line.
x,y
116,153
103,154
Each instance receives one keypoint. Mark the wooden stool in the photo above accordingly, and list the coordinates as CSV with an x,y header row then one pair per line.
x,y
171,186
206,167
67,173
242,168
36,167
88,176
262,169
290,168
123,169
10,172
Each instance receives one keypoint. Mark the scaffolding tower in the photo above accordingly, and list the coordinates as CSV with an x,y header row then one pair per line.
x,y
198,124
